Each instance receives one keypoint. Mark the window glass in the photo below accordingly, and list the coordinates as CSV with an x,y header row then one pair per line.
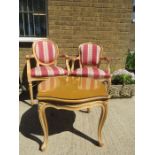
x,y
30,5
31,25
20,5
32,18
40,27
21,25
39,5
24,5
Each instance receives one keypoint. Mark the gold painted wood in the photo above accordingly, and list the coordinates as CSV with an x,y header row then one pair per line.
x,y
103,116
61,91
69,89
43,122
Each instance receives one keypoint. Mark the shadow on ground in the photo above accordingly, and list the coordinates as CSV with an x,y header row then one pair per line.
x,y
58,121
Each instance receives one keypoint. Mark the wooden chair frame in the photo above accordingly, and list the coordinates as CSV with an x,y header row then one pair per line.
x,y
38,63
105,59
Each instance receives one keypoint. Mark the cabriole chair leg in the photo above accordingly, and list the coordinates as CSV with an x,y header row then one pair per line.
x,y
31,93
88,110
109,84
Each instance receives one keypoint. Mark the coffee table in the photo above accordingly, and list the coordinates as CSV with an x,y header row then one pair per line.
x,y
71,93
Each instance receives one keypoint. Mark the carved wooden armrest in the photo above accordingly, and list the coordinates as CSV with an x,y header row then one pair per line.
x,y
63,56
29,56
73,58
67,59
108,60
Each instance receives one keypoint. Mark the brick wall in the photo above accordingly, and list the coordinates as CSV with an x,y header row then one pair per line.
x,y
105,22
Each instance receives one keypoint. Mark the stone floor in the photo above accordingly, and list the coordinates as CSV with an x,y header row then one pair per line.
x,y
75,133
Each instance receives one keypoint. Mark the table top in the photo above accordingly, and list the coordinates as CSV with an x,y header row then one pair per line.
x,y
72,89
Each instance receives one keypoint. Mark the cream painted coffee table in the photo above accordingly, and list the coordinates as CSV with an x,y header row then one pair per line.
x,y
71,93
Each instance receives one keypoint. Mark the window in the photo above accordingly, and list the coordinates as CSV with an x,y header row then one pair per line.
x,y
32,18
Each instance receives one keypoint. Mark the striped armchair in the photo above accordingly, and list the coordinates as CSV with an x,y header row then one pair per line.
x,y
46,53
90,59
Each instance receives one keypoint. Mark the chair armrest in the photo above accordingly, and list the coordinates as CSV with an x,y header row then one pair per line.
x,y
29,56
64,56
68,58
73,58
108,60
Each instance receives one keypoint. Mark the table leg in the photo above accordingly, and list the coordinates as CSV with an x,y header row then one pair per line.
x,y
88,110
43,121
103,116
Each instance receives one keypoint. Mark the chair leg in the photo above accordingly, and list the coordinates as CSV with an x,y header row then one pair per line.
x,y
88,110
109,83
31,93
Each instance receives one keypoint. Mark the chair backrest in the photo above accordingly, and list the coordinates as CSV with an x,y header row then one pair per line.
x,y
45,52
89,53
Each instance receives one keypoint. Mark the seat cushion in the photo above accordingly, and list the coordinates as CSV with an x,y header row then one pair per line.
x,y
91,72
45,71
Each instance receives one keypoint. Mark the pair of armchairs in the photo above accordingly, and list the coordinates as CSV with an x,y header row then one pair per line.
x,y
46,53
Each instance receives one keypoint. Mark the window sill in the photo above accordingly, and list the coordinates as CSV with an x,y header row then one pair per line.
x,y
29,39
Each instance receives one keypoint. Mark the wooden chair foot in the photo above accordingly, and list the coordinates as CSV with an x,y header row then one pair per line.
x,y
31,93
100,144
43,147
88,110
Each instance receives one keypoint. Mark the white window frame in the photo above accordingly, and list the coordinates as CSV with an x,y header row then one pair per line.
x,y
30,39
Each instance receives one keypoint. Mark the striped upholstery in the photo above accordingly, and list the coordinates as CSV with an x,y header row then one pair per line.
x,y
45,51
44,71
88,83
89,54
91,72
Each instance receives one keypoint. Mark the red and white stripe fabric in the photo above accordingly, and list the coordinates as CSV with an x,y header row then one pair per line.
x,y
45,71
45,51
88,83
90,54
91,72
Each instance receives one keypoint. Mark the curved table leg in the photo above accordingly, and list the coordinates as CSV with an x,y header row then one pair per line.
x,y
43,121
103,116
